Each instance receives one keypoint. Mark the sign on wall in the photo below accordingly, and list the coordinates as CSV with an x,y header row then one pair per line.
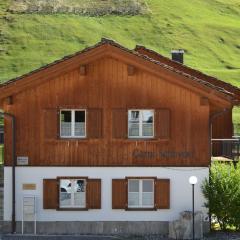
x,y
29,186
22,160
139,154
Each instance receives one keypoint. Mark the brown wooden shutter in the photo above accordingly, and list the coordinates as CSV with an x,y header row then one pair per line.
x,y
94,123
162,123
162,193
94,193
119,194
50,194
51,123
119,123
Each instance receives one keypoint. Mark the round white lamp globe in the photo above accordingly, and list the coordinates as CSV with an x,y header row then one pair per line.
x,y
193,180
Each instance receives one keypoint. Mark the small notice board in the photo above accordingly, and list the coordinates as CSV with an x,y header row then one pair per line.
x,y
29,211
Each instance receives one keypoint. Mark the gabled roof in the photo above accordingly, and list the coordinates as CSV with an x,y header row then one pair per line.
x,y
154,62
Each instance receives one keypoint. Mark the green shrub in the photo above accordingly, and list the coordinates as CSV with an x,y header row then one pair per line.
x,y
222,193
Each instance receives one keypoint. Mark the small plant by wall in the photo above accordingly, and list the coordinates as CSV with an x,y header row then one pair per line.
x,y
222,193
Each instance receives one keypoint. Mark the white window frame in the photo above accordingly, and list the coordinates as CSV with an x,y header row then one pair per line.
x,y
140,182
141,123
72,193
73,123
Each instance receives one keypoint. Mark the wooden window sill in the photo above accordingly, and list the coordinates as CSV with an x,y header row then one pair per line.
x,y
72,209
141,140
141,209
72,138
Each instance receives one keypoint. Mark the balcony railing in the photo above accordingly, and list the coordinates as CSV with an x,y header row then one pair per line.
x,y
226,149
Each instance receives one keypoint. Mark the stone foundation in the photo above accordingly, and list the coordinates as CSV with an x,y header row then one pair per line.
x,y
73,228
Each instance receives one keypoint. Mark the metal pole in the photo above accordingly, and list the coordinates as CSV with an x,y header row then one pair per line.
x,y
193,222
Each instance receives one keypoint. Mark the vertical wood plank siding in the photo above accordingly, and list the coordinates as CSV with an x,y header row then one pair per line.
x,y
119,123
94,123
163,123
119,193
94,193
107,91
51,123
50,194
162,193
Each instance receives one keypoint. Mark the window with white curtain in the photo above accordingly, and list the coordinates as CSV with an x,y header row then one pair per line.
x,y
141,123
73,123
140,193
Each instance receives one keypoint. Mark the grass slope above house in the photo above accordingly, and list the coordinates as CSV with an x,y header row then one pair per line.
x,y
208,30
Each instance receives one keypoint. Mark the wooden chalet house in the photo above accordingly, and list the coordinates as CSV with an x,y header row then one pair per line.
x,y
106,140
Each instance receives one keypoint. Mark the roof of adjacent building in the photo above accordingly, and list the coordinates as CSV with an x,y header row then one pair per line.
x,y
186,69
227,90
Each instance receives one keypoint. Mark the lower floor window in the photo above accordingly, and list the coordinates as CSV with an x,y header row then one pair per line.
x,y
140,193
72,193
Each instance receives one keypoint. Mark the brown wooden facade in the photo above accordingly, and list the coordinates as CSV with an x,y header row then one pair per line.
x,y
101,81
221,120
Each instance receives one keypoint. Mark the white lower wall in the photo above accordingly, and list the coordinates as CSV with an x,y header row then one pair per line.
x,y
180,190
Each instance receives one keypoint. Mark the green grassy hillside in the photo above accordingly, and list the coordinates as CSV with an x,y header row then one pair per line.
x,y
208,30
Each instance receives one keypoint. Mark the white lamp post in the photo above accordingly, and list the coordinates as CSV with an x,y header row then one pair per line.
x,y
193,180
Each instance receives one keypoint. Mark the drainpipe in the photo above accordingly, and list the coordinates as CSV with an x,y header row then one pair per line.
x,y
212,117
12,117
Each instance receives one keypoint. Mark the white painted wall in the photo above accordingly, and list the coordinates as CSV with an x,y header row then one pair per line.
x,y
180,190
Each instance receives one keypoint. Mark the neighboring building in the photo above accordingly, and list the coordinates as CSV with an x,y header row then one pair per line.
x,y
107,138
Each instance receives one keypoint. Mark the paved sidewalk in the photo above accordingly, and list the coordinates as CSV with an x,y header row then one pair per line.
x,y
212,236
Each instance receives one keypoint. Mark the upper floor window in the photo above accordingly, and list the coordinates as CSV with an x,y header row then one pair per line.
x,y
72,193
73,123
141,123
140,193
